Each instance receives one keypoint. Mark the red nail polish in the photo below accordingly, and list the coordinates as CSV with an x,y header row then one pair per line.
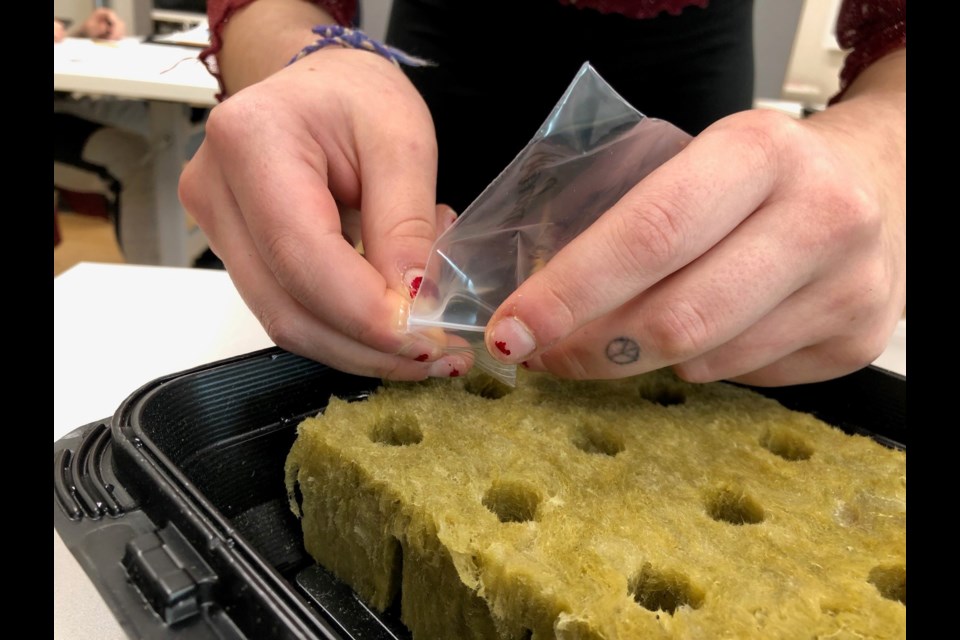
x,y
415,286
502,346
454,373
525,364
422,357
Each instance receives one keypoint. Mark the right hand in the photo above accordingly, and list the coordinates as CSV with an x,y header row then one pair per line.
x,y
337,129
59,31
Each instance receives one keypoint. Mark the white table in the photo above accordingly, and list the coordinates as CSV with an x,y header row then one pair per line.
x,y
171,80
116,327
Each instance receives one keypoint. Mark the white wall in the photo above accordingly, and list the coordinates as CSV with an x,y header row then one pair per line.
x,y
374,15
774,27
76,10
812,74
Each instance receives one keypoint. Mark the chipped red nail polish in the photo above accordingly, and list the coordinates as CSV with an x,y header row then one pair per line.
x,y
415,286
422,357
454,373
502,346
525,364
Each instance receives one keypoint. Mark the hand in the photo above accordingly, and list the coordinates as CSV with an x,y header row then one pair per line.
x,y
338,127
59,31
769,251
103,24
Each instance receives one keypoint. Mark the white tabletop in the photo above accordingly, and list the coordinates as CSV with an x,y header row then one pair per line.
x,y
116,327
133,69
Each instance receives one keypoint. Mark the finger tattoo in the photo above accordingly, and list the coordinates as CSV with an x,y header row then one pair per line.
x,y
623,350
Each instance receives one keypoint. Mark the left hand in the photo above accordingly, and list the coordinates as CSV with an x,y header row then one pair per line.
x,y
769,251
103,24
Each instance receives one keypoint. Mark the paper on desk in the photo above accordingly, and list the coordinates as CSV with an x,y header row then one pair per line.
x,y
199,36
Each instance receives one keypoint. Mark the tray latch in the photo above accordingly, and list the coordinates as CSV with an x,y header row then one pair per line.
x,y
169,574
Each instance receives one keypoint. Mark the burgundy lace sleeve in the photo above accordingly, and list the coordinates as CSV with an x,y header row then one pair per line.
x,y
219,12
870,29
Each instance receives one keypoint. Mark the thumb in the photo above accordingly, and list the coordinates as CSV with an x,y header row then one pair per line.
x,y
399,217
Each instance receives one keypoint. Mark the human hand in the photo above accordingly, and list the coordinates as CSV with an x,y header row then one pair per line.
x,y
338,127
769,251
103,24
59,31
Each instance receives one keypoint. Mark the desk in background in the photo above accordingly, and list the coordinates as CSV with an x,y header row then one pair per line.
x,y
171,80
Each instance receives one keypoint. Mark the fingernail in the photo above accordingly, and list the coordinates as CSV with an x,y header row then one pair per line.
x,y
412,279
447,367
511,341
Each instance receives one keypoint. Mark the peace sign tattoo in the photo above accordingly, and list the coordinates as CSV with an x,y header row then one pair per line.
x,y
623,350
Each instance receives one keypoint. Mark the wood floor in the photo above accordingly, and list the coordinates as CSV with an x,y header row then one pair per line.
x,y
84,239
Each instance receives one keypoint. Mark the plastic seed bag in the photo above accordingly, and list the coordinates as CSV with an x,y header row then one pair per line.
x,y
592,149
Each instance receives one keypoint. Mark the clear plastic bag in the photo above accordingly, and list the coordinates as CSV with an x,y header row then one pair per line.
x,y
592,149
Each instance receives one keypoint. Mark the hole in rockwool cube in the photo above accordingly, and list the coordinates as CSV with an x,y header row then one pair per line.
x,y
890,581
593,438
733,505
786,444
512,501
664,395
664,590
397,431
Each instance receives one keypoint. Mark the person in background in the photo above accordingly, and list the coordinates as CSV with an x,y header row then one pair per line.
x,y
111,138
769,251
101,24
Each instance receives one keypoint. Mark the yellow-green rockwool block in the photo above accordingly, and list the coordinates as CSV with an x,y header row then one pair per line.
x,y
638,508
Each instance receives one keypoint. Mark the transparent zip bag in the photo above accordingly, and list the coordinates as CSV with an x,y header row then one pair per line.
x,y
591,150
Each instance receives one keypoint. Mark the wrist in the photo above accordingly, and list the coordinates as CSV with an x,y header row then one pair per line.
x,y
348,38
259,39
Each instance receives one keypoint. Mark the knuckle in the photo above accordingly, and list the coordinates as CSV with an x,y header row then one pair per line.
x,y
567,363
679,331
189,190
392,369
564,305
697,371
283,253
412,229
852,210
231,119
279,327
763,134
650,234
859,351
358,329
369,329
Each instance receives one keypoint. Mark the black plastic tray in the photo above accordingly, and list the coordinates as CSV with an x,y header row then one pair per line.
x,y
176,507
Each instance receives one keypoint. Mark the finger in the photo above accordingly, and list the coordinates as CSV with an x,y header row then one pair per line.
x,y
279,186
287,323
399,176
810,364
798,326
350,223
697,309
446,216
673,216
